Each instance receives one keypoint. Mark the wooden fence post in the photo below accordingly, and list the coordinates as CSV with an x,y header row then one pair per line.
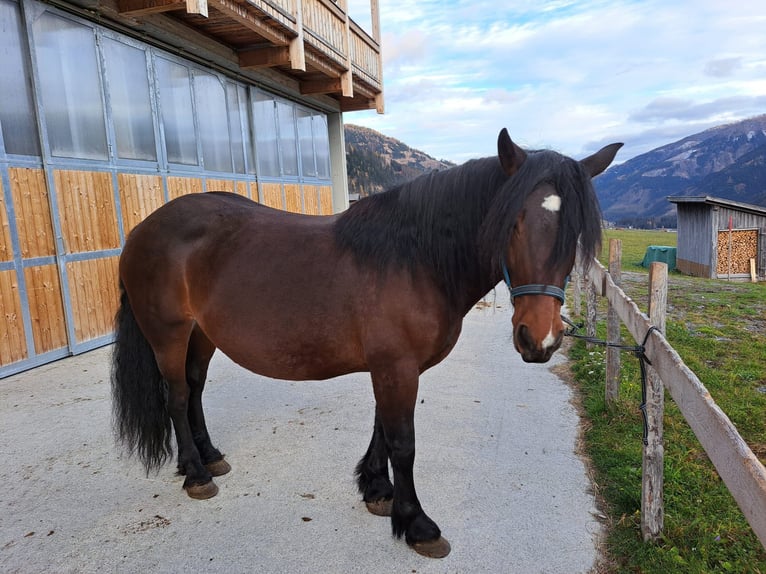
x,y
576,291
652,506
612,390
590,310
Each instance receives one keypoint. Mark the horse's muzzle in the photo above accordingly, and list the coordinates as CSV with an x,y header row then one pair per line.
x,y
533,351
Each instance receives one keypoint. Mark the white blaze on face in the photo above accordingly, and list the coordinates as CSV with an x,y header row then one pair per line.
x,y
552,203
549,338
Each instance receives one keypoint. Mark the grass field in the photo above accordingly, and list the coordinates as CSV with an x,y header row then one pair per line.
x,y
719,329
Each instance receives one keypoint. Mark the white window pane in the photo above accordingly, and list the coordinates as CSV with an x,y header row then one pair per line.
x,y
235,127
176,105
17,119
322,146
213,122
129,96
265,134
69,84
306,141
287,138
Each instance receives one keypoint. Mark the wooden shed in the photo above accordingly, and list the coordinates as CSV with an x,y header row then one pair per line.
x,y
720,238
110,108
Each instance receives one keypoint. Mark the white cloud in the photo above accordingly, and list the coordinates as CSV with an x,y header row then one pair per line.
x,y
566,75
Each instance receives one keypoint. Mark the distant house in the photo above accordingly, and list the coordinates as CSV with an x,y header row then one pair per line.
x,y
718,238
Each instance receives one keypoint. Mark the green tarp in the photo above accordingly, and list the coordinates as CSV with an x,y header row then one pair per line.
x,y
662,254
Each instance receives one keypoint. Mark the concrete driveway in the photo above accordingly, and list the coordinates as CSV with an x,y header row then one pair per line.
x,y
496,468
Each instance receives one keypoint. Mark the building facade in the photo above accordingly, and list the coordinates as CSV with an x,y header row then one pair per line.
x,y
110,109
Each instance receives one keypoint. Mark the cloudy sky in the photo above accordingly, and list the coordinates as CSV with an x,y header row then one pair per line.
x,y
565,75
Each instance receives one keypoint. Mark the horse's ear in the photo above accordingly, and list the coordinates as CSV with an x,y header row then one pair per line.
x,y
511,156
599,161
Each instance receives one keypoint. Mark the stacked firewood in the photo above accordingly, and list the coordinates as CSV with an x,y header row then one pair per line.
x,y
735,249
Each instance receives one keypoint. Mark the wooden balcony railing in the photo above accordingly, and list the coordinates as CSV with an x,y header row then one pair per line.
x,y
313,41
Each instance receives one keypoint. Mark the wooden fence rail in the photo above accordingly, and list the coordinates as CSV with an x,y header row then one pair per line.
x,y
741,471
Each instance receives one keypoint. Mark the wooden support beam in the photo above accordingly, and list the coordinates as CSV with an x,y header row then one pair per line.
x,y
136,8
356,104
197,7
250,18
347,84
265,58
322,65
375,14
347,79
297,50
331,86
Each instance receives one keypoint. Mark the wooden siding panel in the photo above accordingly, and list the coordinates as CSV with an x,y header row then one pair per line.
x,y
32,211
140,195
325,200
13,346
46,308
293,198
178,186
243,188
87,210
94,293
692,268
311,199
220,185
740,219
272,195
695,243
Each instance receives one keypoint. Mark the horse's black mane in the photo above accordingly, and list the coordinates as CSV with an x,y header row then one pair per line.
x,y
456,224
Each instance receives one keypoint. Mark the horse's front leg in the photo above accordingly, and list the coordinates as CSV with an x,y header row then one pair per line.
x,y
396,388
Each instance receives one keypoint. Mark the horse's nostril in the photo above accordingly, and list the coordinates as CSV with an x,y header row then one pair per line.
x,y
524,338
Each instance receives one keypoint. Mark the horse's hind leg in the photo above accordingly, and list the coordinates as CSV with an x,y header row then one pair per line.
x,y
171,351
372,473
198,357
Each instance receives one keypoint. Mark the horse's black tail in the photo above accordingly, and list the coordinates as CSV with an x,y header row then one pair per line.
x,y
139,392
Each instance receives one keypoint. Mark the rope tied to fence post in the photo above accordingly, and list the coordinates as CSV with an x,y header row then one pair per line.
x,y
639,351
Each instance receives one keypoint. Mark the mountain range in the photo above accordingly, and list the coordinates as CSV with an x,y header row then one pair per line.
x,y
375,162
727,161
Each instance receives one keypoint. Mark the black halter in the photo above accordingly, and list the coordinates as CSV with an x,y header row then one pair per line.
x,y
534,288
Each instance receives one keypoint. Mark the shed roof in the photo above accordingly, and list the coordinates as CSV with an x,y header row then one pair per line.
x,y
717,201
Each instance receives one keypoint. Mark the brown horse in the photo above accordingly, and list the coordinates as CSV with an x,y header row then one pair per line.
x,y
382,288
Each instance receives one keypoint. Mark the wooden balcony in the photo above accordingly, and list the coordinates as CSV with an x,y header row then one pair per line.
x,y
311,41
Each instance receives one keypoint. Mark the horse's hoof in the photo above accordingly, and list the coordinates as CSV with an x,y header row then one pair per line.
x,y
218,467
438,548
202,491
380,507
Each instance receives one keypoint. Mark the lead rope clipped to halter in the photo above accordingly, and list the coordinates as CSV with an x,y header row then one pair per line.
x,y
639,351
